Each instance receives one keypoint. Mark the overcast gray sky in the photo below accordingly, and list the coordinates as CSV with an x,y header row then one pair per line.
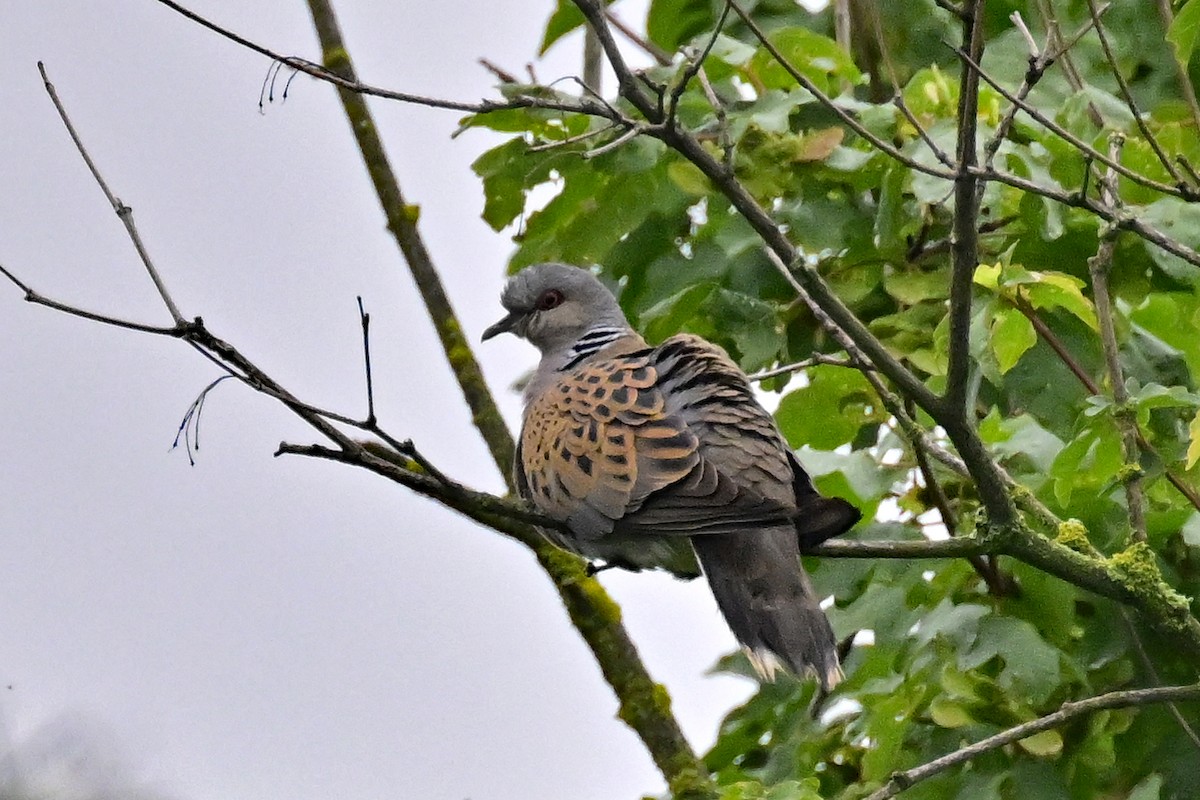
x,y
254,627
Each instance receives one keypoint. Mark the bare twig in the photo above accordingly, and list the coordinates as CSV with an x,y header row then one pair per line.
x,y
1040,60
502,75
124,212
812,361
34,297
581,106
1055,42
365,318
938,153
694,65
629,135
1069,711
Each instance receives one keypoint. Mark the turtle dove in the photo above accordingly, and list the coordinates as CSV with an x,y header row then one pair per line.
x,y
650,454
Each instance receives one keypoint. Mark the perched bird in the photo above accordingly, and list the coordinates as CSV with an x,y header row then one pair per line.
x,y
647,453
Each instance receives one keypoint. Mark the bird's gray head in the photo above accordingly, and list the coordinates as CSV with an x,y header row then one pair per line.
x,y
553,305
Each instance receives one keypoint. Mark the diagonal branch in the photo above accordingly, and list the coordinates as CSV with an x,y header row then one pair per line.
x,y
1067,712
124,212
402,222
1127,95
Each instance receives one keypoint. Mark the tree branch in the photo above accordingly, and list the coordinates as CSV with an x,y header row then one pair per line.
x,y
124,212
1098,267
964,238
580,106
401,221
1069,711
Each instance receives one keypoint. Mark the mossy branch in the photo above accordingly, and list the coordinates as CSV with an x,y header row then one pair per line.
x,y
402,222
644,704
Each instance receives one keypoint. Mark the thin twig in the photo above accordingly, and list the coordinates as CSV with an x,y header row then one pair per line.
x,y
365,318
694,65
1067,712
812,361
502,75
938,153
1127,95
124,212
629,135
1182,192
570,140
1098,268
1139,648
581,106
1070,71
34,297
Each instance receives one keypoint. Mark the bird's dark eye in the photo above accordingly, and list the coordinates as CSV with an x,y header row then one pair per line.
x,y
549,299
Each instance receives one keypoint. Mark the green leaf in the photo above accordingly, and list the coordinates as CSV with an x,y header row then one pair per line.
x,y
1058,290
1180,221
830,411
671,23
1030,664
1012,334
669,316
915,287
818,58
947,713
565,18
1183,31
1194,443
1044,744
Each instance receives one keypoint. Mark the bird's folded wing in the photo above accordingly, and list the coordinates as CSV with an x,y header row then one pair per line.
x,y
668,439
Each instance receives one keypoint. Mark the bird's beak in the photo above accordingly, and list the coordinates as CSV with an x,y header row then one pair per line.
x,y
503,326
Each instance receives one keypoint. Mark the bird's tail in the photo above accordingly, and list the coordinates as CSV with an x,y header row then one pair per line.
x,y
767,599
